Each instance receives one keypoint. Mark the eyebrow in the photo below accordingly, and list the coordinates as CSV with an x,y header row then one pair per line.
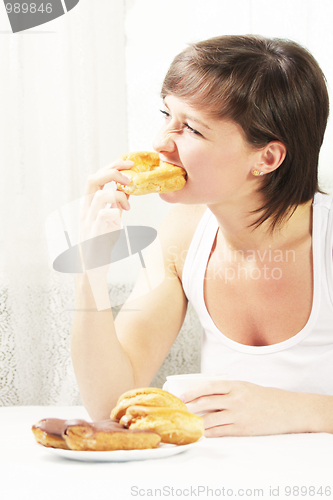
x,y
189,117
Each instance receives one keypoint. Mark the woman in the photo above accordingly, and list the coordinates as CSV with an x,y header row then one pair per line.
x,y
245,117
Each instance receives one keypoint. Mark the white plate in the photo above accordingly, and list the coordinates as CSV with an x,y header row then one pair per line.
x,y
164,450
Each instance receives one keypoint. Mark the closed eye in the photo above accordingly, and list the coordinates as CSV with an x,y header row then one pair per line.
x,y
186,125
165,113
192,129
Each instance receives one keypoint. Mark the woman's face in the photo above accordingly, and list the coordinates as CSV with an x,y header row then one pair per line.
x,y
214,153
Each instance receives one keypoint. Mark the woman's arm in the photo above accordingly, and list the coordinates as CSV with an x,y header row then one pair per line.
x,y
109,359
243,409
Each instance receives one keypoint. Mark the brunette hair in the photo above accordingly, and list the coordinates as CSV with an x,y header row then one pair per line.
x,y
275,90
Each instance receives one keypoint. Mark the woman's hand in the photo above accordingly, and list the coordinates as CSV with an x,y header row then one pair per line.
x,y
100,213
244,409
101,209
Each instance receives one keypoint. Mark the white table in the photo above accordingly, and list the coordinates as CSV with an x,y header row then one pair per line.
x,y
250,467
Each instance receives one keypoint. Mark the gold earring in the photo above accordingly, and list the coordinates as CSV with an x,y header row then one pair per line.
x,y
256,172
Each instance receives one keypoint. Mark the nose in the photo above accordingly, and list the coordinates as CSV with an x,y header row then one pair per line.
x,y
164,142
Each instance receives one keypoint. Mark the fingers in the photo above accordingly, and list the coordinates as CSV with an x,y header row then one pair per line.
x,y
213,401
208,404
108,174
207,388
220,423
108,219
220,431
101,208
217,418
101,212
102,198
92,203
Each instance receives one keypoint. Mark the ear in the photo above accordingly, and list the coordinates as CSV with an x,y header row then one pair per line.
x,y
270,157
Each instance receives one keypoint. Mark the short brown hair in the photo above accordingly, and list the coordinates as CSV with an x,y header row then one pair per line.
x,y
275,90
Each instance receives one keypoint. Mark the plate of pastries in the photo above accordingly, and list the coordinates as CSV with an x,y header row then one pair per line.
x,y
146,423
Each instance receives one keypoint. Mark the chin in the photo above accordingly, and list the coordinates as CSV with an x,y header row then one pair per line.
x,y
186,197
169,199
174,196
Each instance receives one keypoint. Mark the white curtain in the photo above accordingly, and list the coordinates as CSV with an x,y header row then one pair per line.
x,y
75,94
63,115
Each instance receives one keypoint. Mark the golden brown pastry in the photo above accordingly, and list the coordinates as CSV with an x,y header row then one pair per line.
x,y
108,435
105,435
174,426
146,396
151,175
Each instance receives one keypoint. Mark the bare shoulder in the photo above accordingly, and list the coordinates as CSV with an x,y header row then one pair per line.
x,y
182,221
177,230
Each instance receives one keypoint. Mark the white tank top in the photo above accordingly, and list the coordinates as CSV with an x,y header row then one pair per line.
x,y
303,363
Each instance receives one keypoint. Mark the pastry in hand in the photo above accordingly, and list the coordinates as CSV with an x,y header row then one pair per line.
x,y
151,175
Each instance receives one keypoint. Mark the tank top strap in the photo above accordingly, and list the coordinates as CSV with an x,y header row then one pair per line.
x,y
324,203
198,253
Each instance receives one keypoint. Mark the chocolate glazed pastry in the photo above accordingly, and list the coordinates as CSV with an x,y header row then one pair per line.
x,y
105,435
49,431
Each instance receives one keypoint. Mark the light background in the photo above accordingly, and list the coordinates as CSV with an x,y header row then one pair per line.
x,y
74,94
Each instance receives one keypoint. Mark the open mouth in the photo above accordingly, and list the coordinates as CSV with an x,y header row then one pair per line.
x,y
174,165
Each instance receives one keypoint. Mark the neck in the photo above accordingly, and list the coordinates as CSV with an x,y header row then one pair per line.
x,y
235,223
